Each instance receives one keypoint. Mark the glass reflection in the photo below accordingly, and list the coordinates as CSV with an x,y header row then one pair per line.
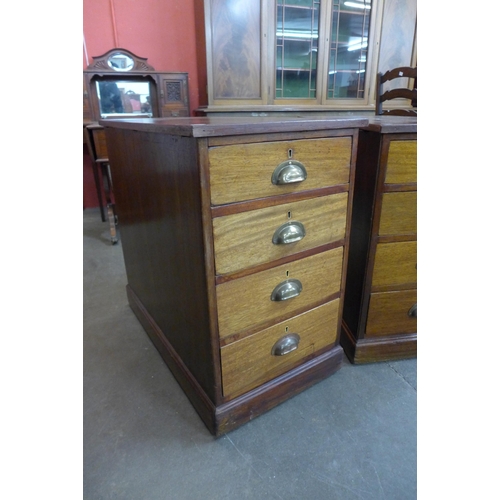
x,y
348,49
123,98
296,48
120,62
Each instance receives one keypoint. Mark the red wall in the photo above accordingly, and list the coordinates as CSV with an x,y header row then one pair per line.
x,y
169,33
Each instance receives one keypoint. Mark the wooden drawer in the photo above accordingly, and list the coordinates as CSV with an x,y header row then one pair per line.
x,y
246,302
399,213
246,239
395,264
243,171
402,162
249,362
388,313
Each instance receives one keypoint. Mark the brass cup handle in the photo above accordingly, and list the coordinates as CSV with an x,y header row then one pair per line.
x,y
286,290
412,312
286,344
290,232
289,172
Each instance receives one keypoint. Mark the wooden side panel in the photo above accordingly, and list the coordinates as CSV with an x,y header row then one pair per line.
x,y
243,171
399,213
245,240
250,362
246,302
367,167
402,162
158,203
100,144
388,313
236,46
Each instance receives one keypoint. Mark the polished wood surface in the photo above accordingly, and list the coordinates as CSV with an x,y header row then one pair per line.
x,y
174,251
235,49
249,362
243,171
381,282
388,313
245,239
395,264
244,305
379,348
224,128
100,143
399,213
162,240
401,162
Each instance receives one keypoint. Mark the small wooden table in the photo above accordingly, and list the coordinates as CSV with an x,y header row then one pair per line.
x,y
96,142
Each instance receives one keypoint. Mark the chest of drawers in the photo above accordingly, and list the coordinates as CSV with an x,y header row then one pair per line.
x,y
234,235
380,307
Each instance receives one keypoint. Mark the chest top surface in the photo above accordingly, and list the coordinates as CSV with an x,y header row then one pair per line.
x,y
222,126
392,124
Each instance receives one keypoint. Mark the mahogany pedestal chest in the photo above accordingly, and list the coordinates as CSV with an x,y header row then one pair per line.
x,y
380,307
234,234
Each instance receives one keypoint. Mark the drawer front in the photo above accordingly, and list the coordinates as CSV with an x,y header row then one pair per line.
x,y
388,313
246,239
395,264
246,302
249,362
402,162
399,213
244,171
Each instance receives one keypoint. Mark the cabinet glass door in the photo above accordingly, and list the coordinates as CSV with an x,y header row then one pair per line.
x,y
297,24
348,47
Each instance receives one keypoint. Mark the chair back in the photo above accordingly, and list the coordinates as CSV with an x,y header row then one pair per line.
x,y
397,93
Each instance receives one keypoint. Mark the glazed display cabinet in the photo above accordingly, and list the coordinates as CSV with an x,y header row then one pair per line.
x,y
303,55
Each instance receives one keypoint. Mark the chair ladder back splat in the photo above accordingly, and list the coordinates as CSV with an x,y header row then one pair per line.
x,y
396,93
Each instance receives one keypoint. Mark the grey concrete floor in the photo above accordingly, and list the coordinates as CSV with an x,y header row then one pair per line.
x,y
352,436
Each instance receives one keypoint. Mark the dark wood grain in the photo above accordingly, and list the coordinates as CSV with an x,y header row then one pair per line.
x,y
161,177
193,390
361,229
227,416
236,49
254,403
369,187
233,126
243,206
158,200
393,124
219,279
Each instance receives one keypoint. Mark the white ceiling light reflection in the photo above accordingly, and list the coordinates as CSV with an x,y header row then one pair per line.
x,y
357,5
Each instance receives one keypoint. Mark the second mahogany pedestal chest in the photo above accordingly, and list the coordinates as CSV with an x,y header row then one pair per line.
x,y
380,307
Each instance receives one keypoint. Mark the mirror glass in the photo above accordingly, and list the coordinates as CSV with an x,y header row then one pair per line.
x,y
123,98
120,62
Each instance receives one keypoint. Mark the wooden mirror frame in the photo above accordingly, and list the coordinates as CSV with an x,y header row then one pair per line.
x,y
100,63
168,91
